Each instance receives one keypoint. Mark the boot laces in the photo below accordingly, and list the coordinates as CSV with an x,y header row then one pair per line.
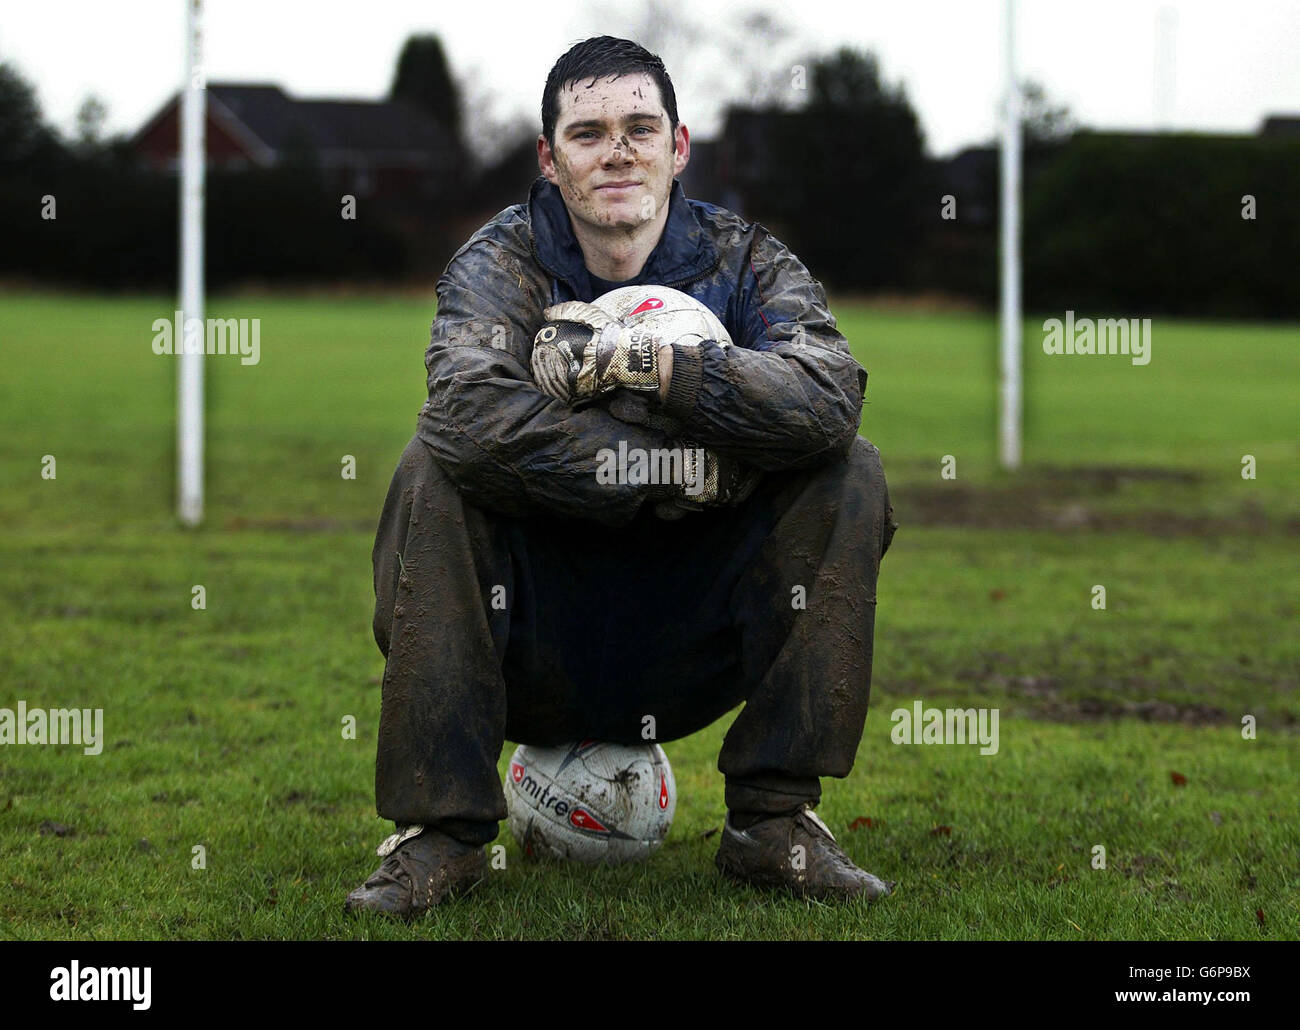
x,y
394,868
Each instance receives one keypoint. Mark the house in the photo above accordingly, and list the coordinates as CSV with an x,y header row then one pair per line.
x,y
1279,126
386,148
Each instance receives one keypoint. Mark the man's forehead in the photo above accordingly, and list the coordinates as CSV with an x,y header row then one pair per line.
x,y
609,96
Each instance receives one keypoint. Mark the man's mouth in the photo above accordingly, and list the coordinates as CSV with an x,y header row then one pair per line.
x,y
618,186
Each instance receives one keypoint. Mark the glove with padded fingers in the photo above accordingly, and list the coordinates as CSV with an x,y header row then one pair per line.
x,y
582,352
710,480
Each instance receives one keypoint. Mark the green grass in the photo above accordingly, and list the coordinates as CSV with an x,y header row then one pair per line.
x,y
223,725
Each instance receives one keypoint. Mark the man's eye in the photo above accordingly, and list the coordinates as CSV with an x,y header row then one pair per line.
x,y
643,128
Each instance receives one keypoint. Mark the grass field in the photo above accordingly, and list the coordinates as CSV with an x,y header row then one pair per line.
x,y
1119,727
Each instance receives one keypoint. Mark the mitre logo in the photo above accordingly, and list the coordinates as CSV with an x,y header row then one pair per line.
x,y
516,771
649,304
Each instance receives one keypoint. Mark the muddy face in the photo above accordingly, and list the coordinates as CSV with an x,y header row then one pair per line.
x,y
615,154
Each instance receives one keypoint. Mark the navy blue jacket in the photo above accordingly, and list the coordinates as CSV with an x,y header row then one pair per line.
x,y
788,395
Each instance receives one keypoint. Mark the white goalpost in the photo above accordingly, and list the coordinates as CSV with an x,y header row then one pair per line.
x,y
1009,372
189,385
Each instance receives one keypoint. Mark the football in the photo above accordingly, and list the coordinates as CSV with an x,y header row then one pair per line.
x,y
590,802
664,310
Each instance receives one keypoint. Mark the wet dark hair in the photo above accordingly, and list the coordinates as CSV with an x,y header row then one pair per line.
x,y
600,57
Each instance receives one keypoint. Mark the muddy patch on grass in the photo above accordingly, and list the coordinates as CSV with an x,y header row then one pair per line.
x,y
1090,709
1076,499
1109,478
298,525
1066,698
1106,709
298,797
1046,698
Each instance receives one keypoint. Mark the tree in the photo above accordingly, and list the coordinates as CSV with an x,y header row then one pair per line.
x,y
711,66
1043,121
424,80
845,176
23,136
90,122
849,80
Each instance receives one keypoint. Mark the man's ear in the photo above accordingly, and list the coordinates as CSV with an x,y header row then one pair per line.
x,y
545,159
681,148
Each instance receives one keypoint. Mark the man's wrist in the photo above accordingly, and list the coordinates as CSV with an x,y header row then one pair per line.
x,y
687,373
665,370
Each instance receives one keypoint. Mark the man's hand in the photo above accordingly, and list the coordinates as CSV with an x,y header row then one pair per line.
x,y
582,353
711,480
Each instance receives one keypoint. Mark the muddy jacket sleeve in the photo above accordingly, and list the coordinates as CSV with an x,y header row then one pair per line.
x,y
506,445
789,395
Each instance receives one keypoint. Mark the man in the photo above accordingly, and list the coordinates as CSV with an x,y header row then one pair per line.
x,y
520,596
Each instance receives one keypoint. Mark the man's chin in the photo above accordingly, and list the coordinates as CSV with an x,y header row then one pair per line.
x,y
620,219
622,209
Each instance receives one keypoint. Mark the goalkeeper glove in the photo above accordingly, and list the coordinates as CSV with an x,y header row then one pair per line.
x,y
711,480
582,352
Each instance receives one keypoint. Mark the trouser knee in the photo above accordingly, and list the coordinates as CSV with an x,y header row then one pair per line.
x,y
418,485
866,479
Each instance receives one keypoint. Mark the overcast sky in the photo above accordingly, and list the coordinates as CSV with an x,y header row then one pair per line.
x,y
1228,64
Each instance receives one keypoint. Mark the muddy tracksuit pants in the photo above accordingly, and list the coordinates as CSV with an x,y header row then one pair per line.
x,y
547,630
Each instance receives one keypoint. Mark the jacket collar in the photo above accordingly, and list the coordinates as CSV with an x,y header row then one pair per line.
x,y
683,253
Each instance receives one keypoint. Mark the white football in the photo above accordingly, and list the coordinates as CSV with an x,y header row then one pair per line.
x,y
590,802
680,315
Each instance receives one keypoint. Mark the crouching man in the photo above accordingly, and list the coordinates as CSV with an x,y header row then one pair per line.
x,y
522,595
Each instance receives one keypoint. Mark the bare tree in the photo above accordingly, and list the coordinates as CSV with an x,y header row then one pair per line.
x,y
1044,121
749,59
91,116
492,130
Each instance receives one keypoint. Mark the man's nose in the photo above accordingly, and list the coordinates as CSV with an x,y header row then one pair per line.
x,y
620,149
